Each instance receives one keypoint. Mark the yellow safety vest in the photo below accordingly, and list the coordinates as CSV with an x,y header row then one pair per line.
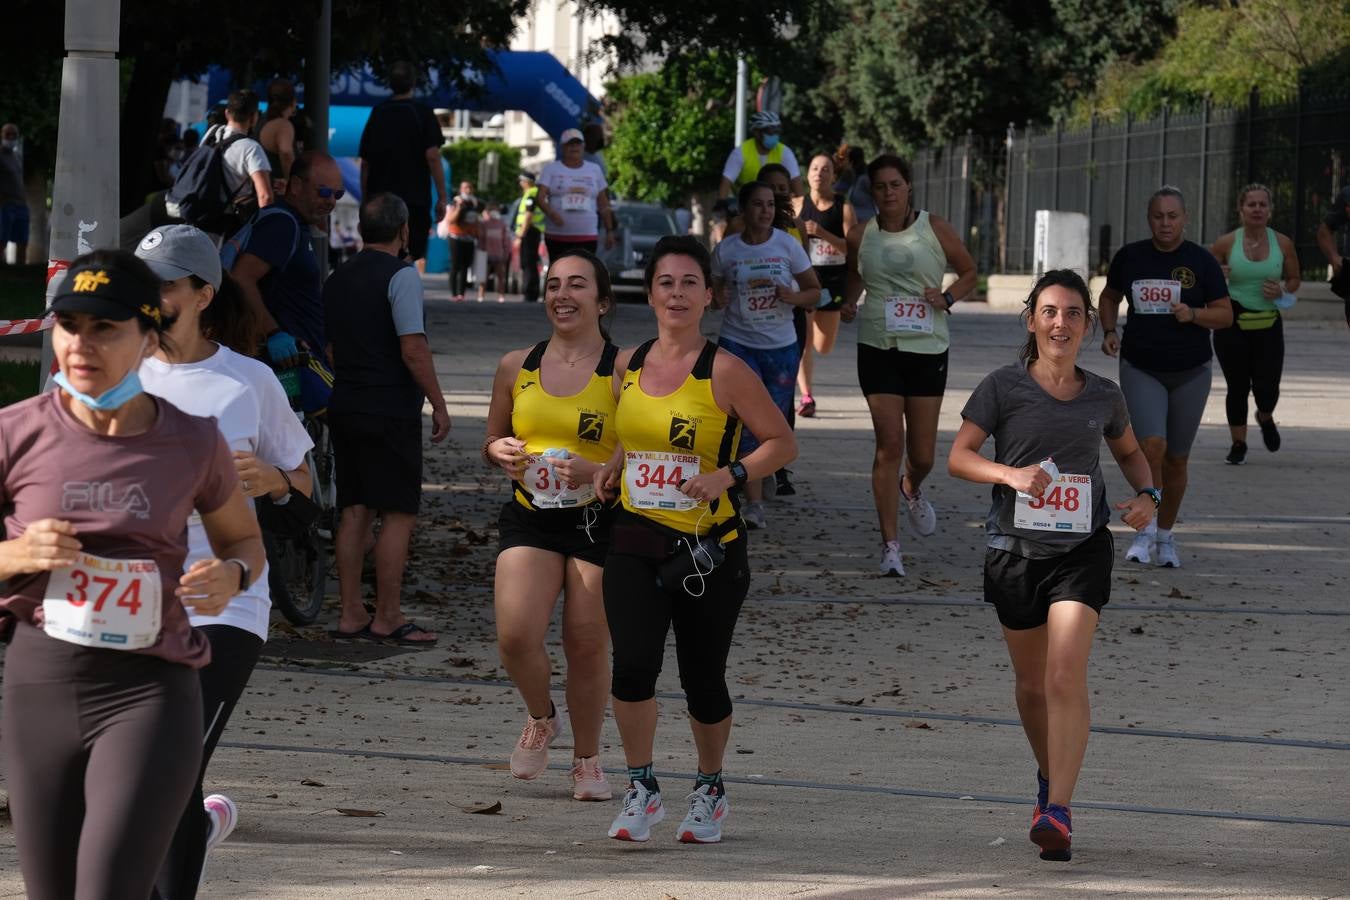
x,y
750,164
529,206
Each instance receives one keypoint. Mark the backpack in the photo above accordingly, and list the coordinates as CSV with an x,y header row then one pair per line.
x,y
235,243
199,191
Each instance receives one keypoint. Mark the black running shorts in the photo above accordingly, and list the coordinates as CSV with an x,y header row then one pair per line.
x,y
561,531
1022,589
902,373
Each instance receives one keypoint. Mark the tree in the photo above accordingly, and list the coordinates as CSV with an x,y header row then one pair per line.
x,y
464,157
672,129
908,72
1226,49
661,30
255,43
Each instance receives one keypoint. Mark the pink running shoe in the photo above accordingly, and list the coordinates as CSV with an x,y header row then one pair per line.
x,y
588,779
530,758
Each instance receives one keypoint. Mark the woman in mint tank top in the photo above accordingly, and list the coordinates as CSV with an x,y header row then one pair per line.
x,y
898,260
1261,266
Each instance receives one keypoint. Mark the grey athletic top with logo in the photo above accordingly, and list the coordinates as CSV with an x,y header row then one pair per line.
x,y
1029,425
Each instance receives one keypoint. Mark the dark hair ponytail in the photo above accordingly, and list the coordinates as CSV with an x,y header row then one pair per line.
x,y
1066,278
228,320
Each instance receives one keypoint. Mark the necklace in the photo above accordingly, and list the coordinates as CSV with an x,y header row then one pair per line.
x,y
572,363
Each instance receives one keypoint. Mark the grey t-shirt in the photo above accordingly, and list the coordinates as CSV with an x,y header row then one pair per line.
x,y
1029,425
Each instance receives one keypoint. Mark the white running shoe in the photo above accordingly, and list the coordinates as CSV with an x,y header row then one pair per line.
x,y
707,812
588,779
1141,550
224,816
890,560
920,511
641,810
530,757
1167,554
753,514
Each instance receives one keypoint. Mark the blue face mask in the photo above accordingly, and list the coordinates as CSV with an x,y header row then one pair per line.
x,y
770,141
114,398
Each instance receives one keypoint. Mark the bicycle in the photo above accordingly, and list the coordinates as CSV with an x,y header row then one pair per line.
x,y
298,565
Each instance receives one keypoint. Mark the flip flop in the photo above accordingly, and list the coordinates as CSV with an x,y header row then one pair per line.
x,y
400,635
361,634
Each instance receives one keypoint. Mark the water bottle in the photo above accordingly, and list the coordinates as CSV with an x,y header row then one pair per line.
x,y
1048,464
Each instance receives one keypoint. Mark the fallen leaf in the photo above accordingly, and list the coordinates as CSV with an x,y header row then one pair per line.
x,y
354,813
497,767
483,809
858,702
923,725
1138,629
997,842
310,782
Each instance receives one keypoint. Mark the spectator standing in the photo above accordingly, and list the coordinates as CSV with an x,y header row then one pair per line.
x,y
529,225
245,169
275,264
278,134
402,139
463,219
13,201
744,162
383,369
497,245
571,192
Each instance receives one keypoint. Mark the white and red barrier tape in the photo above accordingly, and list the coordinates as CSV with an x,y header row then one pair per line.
x,y
25,326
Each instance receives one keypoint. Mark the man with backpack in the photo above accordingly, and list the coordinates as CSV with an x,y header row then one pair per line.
x,y
225,180
272,260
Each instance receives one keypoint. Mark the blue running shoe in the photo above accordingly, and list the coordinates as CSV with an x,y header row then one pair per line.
x,y
1052,831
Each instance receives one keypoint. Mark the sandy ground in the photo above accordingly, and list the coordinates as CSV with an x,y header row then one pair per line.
x,y
876,751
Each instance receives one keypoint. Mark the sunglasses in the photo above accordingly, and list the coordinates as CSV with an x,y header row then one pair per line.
x,y
326,193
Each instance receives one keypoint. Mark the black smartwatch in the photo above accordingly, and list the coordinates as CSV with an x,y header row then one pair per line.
x,y
951,301
1153,494
245,574
738,473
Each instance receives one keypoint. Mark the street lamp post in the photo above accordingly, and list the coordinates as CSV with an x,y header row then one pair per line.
x,y
85,199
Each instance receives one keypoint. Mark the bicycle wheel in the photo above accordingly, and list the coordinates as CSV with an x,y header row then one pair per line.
x,y
297,575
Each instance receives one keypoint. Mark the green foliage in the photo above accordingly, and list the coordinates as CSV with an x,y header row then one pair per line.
x,y
1225,49
464,157
976,65
672,129
762,31
18,381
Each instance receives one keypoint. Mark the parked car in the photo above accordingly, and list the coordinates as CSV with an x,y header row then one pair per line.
x,y
641,225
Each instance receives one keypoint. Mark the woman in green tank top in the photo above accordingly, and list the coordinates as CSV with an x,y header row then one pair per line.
x,y
1262,269
899,259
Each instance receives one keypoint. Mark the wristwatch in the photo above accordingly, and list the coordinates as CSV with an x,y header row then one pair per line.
x,y
738,473
1154,494
951,301
245,574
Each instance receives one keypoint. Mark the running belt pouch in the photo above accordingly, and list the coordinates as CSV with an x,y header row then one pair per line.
x,y
689,559
291,519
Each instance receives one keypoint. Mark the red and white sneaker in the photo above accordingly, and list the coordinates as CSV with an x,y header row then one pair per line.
x,y
641,810
707,811
588,779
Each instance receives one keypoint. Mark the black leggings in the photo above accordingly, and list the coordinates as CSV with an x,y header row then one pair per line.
x,y
461,263
101,748
640,613
234,653
529,264
1252,362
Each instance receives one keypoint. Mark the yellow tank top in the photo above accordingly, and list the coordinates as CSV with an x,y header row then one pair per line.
x,y
582,424
669,439
901,264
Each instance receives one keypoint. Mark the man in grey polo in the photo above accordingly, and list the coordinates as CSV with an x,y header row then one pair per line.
x,y
382,374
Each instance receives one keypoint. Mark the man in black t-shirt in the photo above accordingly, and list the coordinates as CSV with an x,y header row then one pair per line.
x,y
402,139
1333,239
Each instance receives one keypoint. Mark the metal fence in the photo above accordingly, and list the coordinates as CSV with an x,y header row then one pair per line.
x,y
1300,148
